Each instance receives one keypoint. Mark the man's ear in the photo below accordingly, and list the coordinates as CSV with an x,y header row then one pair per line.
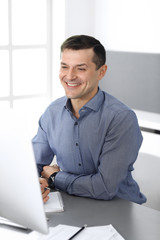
x,y
102,71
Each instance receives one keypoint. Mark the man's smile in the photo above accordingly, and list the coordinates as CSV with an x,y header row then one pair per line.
x,y
73,84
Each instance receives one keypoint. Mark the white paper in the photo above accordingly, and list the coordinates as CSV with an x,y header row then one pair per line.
x,y
55,233
65,232
55,203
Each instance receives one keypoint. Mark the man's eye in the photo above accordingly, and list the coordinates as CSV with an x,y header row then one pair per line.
x,y
63,67
81,69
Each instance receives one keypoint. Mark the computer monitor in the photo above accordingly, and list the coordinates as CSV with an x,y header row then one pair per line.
x,y
20,194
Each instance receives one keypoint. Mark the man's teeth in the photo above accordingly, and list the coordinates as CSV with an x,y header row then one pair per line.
x,y
72,84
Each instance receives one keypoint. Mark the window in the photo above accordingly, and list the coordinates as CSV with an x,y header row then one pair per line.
x,y
25,54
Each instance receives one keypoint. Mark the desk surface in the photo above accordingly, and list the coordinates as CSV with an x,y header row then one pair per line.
x,y
132,221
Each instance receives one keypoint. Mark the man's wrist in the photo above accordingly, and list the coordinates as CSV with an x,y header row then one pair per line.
x,y
51,180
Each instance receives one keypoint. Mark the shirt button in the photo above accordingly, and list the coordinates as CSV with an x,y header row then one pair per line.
x,y
76,144
76,123
80,164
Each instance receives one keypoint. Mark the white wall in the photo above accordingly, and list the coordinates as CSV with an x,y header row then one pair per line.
x,y
128,25
58,36
79,17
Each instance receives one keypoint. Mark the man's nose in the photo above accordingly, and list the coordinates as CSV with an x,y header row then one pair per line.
x,y
71,74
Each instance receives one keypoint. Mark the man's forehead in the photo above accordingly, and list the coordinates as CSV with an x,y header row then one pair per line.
x,y
79,57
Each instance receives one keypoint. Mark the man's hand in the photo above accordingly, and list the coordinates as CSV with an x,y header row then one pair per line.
x,y
48,170
45,192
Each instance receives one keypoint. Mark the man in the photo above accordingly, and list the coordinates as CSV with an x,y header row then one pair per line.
x,y
95,137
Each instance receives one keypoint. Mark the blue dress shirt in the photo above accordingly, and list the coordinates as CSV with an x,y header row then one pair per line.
x,y
95,152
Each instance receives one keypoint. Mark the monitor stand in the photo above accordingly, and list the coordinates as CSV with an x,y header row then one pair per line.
x,y
7,222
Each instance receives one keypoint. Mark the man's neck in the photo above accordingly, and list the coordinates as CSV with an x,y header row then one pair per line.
x,y
76,106
78,103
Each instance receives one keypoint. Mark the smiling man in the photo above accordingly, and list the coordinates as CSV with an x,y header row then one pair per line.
x,y
94,136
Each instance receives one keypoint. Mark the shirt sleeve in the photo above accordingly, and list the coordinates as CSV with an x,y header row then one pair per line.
x,y
120,149
42,151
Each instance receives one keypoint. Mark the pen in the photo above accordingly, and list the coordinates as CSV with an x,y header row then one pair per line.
x,y
78,232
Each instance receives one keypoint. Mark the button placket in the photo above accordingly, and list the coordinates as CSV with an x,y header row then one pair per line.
x,y
78,155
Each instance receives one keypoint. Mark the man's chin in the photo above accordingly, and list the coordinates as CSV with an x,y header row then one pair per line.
x,y
71,95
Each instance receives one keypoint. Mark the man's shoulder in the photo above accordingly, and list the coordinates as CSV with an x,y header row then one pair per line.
x,y
113,104
60,102
55,107
117,110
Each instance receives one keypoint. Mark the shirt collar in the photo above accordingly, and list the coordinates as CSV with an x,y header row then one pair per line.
x,y
93,104
96,101
68,105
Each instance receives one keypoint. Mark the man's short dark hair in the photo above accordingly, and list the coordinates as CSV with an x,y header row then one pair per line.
x,y
78,42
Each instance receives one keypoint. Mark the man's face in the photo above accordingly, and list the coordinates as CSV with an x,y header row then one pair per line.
x,y
78,74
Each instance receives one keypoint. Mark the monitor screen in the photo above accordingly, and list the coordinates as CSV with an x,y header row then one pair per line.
x,y
21,199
